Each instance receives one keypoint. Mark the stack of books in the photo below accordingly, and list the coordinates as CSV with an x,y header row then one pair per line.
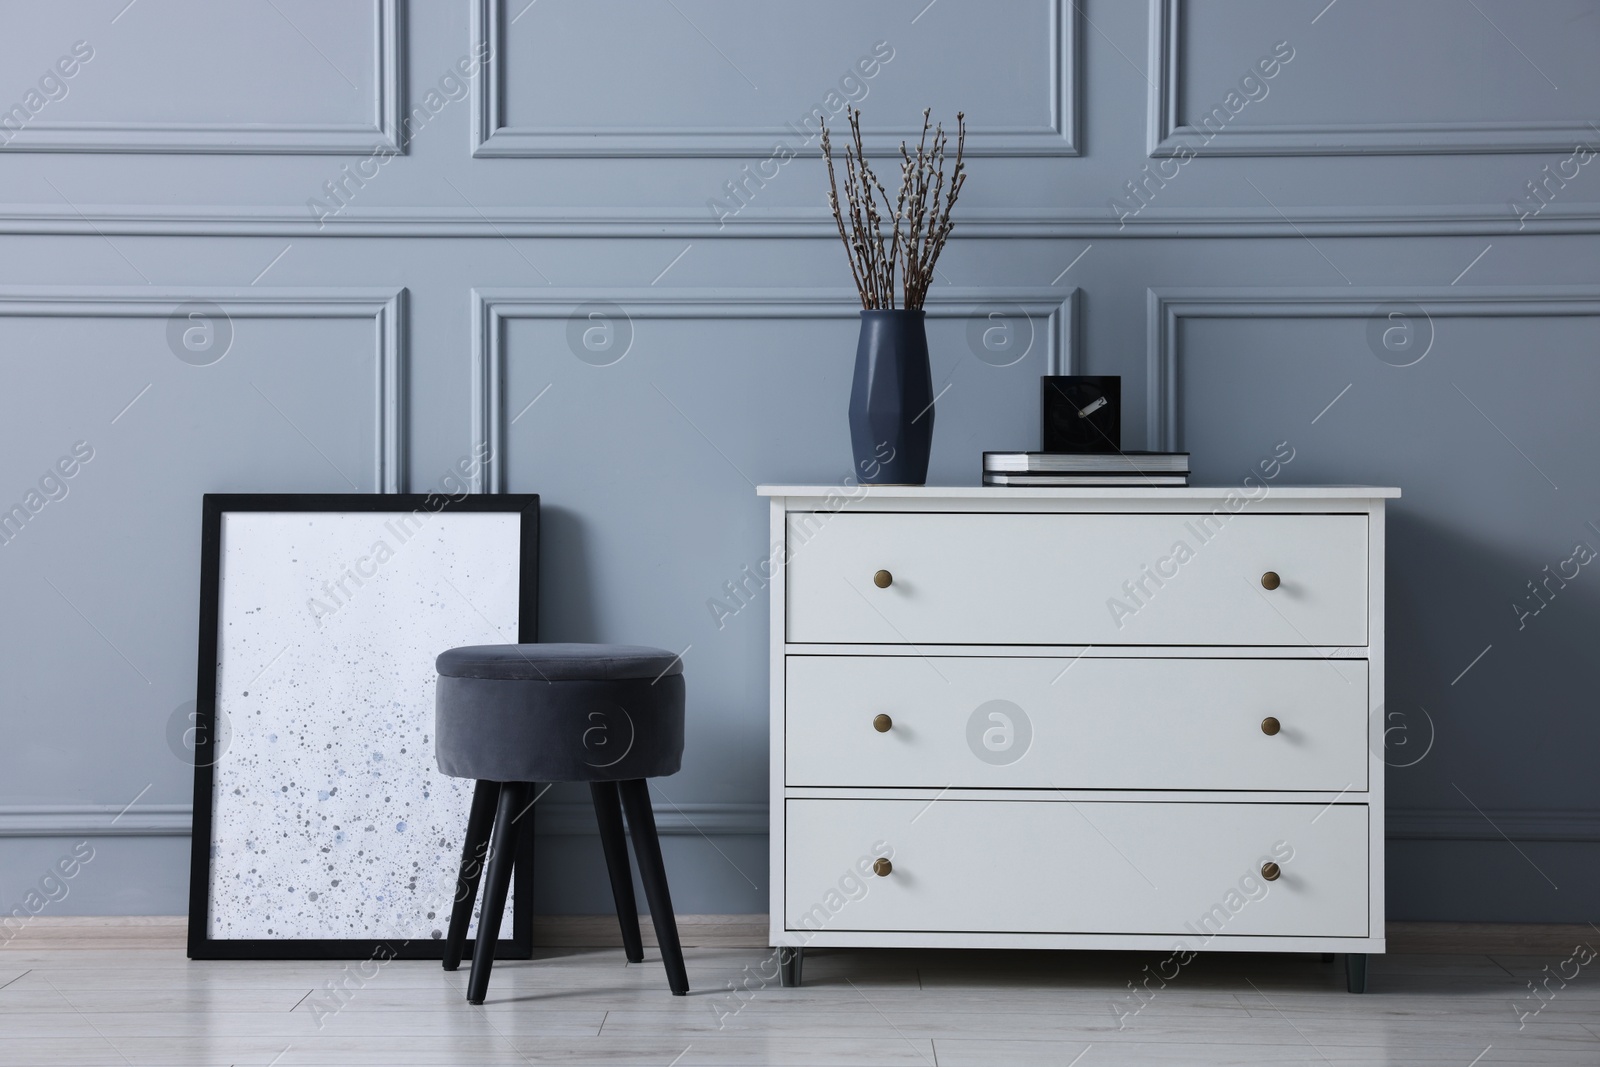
x,y
1086,470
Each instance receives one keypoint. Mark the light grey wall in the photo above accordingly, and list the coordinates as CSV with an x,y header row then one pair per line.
x,y
1386,161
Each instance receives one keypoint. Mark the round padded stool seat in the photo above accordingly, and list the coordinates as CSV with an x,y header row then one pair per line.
x,y
559,713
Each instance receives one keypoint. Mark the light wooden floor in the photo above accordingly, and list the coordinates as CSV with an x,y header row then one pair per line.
x,y
133,1005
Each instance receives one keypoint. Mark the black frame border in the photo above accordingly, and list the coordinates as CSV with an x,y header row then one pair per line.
x,y
214,506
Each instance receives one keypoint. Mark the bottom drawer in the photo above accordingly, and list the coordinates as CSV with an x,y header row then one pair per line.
x,y
1191,870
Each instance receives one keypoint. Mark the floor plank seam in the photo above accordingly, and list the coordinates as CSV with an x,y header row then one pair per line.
x,y
88,1022
1500,965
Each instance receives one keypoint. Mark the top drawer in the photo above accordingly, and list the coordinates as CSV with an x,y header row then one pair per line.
x,y
1085,579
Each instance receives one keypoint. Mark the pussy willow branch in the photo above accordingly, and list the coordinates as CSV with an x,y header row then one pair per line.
x,y
833,202
918,219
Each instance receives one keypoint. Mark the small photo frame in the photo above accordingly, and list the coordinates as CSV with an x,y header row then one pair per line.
x,y
1081,413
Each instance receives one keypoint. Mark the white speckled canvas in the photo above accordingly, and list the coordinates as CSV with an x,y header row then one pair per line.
x,y
330,818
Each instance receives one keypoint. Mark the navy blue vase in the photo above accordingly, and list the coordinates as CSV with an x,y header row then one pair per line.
x,y
891,400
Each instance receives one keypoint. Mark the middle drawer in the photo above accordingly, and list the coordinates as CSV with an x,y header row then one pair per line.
x,y
1093,723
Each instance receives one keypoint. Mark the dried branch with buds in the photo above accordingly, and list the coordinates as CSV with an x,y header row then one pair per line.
x,y
906,237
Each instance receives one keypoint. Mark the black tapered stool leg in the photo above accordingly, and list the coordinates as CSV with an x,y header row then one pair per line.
x,y
647,850
474,851
502,855
608,811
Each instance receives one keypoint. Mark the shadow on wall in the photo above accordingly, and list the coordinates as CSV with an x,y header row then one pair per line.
x,y
567,592
1515,729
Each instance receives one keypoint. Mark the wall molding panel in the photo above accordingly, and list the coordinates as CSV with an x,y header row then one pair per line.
x,y
492,138
1452,824
673,820
189,138
501,222
562,819
601,139
95,820
738,820
1165,307
175,820
385,308
1165,137
491,308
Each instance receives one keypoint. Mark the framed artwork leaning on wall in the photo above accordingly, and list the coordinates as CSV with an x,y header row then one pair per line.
x,y
322,828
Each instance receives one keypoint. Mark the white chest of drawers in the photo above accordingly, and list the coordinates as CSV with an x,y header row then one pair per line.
x,y
1059,718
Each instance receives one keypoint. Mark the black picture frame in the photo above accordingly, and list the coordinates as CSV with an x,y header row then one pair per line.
x,y
214,506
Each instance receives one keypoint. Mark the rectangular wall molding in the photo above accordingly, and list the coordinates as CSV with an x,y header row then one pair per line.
x,y
174,820
204,138
499,222
491,137
562,819
675,820
384,307
1453,824
1165,307
1057,309
1165,137
95,820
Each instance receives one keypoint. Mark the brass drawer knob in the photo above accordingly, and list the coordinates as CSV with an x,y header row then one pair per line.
x,y
1270,726
882,723
1270,871
1270,580
883,579
882,867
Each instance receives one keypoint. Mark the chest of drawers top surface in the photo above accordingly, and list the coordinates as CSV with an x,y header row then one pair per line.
x,y
1188,493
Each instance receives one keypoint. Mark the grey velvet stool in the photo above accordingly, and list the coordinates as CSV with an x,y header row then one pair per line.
x,y
512,715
